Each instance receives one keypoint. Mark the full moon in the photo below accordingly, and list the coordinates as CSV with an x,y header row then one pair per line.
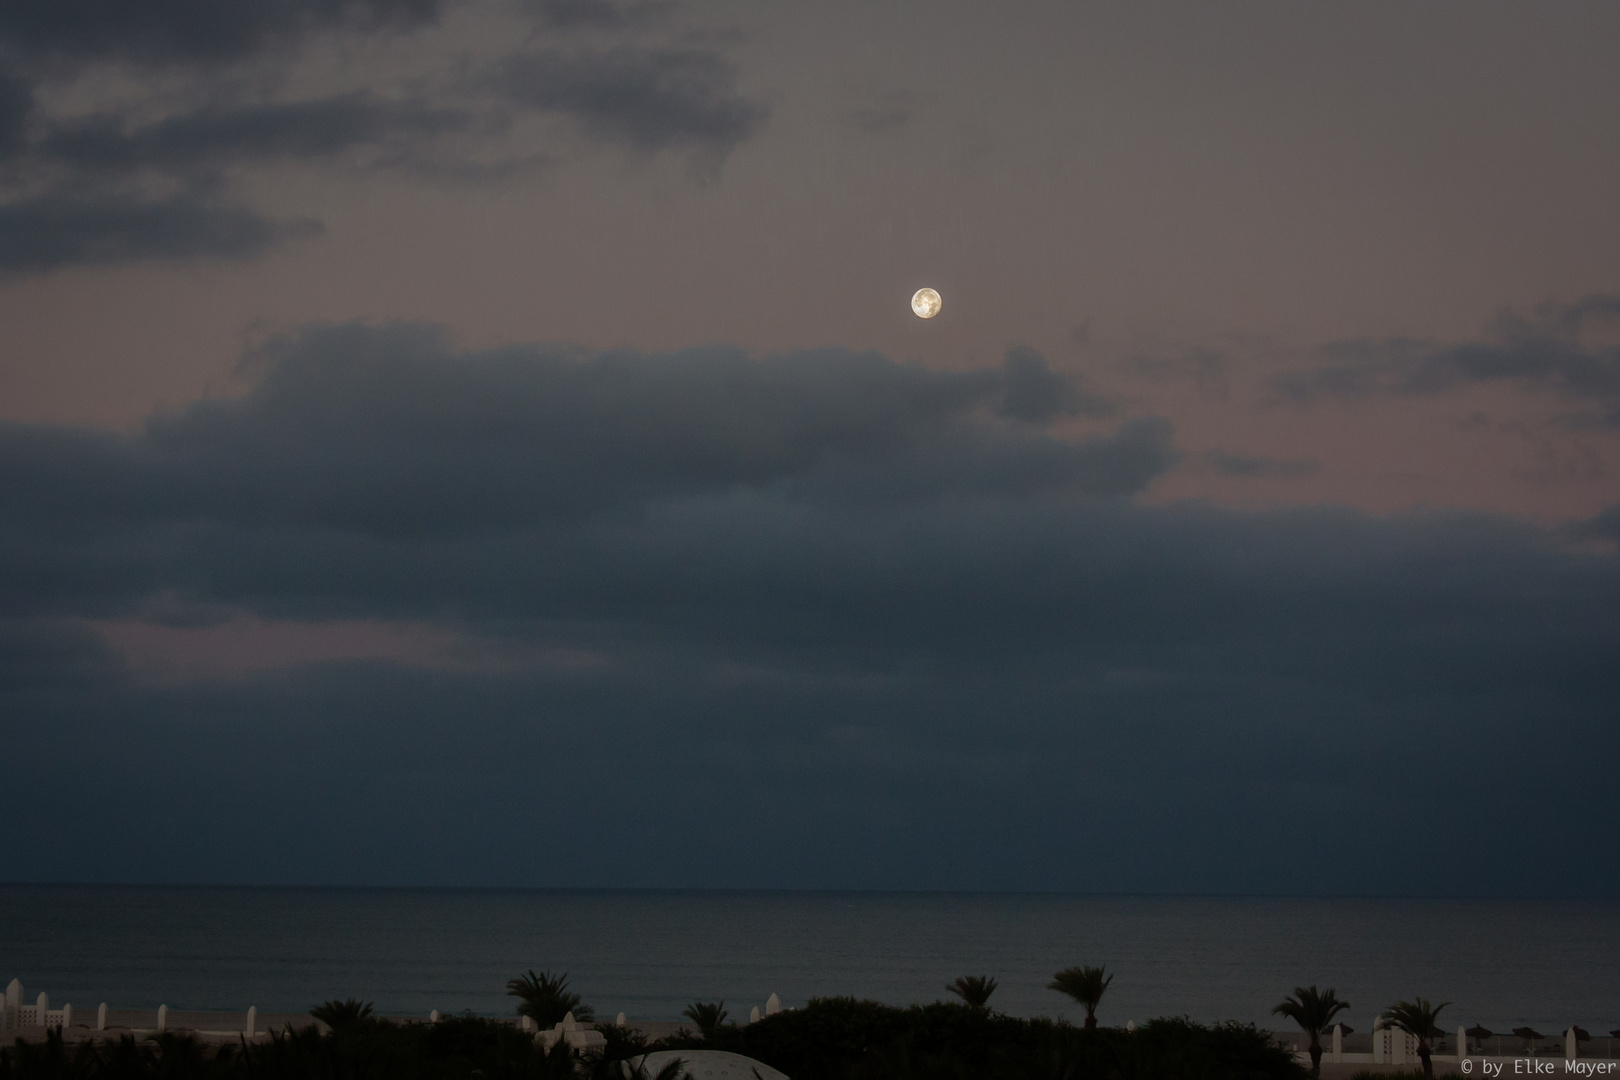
x,y
926,303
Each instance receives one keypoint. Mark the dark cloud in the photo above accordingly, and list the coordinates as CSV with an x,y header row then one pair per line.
x,y
78,174
843,610
521,437
16,102
650,99
1036,393
216,137
187,31
55,230
1604,526
1556,352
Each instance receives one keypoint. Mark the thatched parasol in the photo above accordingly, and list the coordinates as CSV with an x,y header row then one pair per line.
x,y
1479,1031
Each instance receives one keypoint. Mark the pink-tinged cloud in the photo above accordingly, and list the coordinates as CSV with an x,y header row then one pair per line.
x,y
245,644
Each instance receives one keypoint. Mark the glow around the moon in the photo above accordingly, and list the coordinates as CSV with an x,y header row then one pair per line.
x,y
926,303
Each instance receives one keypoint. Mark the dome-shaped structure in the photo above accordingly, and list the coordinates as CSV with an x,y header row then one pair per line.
x,y
710,1065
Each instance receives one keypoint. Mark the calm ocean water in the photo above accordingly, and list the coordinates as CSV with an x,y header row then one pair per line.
x,y
1503,963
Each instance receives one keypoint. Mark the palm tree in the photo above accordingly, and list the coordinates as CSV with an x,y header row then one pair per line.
x,y
1085,985
547,999
1417,1018
1314,1013
673,1069
635,1068
708,1016
613,1059
336,1014
974,990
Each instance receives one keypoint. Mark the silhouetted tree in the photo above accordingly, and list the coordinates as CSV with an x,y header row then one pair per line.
x,y
1418,1019
707,1015
974,990
1086,985
336,1014
546,998
1314,1013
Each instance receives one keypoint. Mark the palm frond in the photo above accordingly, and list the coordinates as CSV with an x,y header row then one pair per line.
x,y
707,1015
338,1014
546,998
974,990
1085,985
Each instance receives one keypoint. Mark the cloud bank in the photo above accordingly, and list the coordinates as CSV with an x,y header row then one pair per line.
x,y
153,174
816,619
1571,351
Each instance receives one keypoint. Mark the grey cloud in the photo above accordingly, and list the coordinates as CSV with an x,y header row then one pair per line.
x,y
1547,352
16,102
904,700
819,595
648,98
79,172
1603,526
1037,394
91,210
55,230
519,437
187,31
46,656
216,137
1175,776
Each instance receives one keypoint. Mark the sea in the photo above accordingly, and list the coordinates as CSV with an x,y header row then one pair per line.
x,y
650,954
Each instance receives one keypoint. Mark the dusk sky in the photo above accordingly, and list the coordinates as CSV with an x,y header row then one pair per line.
x,y
490,444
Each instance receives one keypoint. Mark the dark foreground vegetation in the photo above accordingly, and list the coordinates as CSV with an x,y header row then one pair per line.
x,y
839,1038
830,1039
455,1048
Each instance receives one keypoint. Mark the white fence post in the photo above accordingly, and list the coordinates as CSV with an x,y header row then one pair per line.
x,y
753,1015
773,1005
433,1017
252,1020
1570,1044
67,1016
163,1018
620,1021
1462,1043
1378,1043
1338,1042
101,1017
14,996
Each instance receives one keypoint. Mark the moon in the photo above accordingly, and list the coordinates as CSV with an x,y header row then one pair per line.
x,y
926,303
